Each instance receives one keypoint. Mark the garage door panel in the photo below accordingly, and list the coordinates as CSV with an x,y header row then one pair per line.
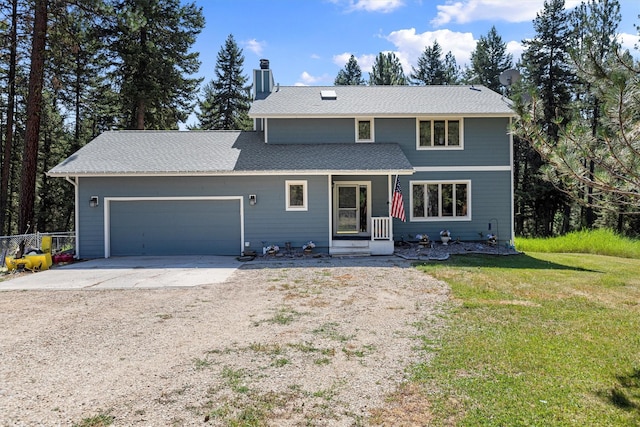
x,y
184,227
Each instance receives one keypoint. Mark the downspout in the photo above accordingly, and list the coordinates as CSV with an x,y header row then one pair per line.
x,y
330,203
265,126
389,203
76,213
513,226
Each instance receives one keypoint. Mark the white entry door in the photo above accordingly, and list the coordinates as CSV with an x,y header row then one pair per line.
x,y
351,208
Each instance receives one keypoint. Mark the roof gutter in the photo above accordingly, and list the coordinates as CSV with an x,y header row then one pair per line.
x,y
248,173
295,115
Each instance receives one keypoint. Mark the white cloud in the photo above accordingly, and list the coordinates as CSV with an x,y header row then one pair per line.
x,y
629,41
307,79
382,6
365,62
315,56
410,45
515,49
342,59
465,11
255,46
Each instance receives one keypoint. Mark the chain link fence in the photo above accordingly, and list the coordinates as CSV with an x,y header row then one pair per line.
x,y
60,242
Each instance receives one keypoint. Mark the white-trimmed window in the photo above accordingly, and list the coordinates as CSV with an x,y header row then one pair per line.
x,y
296,193
364,130
438,200
439,133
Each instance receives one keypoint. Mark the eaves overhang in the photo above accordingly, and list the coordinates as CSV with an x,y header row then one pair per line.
x,y
380,116
292,172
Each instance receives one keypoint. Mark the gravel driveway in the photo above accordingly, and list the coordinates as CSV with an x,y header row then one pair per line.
x,y
293,342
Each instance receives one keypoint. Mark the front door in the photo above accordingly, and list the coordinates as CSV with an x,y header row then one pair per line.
x,y
351,208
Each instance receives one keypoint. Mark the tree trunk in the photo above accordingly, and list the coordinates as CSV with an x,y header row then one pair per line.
x,y
34,108
69,210
45,186
591,217
142,74
516,186
78,99
140,114
566,218
8,140
620,223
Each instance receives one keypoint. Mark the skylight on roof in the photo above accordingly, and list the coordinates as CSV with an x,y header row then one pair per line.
x,y
328,94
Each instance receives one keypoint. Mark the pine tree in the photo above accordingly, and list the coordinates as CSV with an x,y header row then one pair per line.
x,y
595,156
34,109
489,60
350,75
225,103
547,75
150,41
595,26
12,40
451,68
77,63
14,68
387,70
546,64
613,149
433,69
54,202
73,70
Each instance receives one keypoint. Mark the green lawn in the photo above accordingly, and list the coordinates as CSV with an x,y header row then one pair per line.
x,y
538,339
598,242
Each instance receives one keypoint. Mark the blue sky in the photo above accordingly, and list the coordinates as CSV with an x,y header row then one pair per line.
x,y
309,41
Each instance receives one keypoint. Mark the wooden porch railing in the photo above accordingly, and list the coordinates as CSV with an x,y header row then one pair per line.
x,y
381,228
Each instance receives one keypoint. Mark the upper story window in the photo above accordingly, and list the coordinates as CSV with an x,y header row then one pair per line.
x,y
439,200
296,195
439,133
364,130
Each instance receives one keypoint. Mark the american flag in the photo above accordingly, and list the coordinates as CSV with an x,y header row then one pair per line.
x,y
397,206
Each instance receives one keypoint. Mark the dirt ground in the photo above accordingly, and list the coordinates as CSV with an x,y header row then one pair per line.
x,y
286,342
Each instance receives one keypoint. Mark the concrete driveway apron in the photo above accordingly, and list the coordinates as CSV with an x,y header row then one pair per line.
x,y
130,273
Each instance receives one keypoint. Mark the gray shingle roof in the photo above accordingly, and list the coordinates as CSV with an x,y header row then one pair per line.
x,y
382,100
223,152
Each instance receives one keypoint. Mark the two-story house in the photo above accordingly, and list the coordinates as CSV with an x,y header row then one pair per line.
x,y
320,166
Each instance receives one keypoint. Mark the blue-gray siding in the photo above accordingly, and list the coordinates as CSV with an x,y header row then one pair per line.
x,y
310,131
490,203
486,140
263,83
267,222
486,144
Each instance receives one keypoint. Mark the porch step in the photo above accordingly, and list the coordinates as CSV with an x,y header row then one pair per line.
x,y
350,248
350,243
349,251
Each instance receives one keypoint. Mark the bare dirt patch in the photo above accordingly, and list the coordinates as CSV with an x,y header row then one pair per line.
x,y
291,342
